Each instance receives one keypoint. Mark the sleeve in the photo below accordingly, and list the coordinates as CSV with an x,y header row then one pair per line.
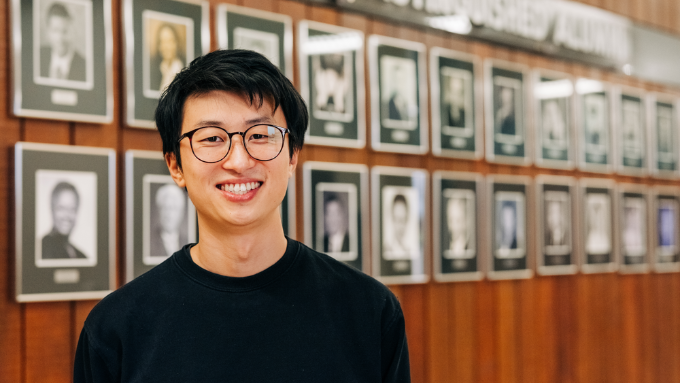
x,y
394,348
89,366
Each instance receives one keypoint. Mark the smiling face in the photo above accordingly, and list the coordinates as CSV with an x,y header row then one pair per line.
x,y
64,211
238,191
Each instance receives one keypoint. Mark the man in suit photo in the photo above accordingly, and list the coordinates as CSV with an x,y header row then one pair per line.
x,y
59,59
336,237
64,204
169,210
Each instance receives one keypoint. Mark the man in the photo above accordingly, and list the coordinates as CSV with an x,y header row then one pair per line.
x,y
335,239
457,222
397,245
59,60
245,304
64,203
505,115
169,235
507,234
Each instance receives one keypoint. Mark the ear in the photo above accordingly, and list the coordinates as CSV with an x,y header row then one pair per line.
x,y
293,163
175,170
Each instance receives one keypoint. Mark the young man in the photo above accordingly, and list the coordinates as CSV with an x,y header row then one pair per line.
x,y
245,304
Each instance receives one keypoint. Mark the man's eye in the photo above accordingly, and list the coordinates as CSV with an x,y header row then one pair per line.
x,y
213,139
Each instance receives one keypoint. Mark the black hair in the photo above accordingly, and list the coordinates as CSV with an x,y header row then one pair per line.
x,y
58,9
62,187
236,70
399,198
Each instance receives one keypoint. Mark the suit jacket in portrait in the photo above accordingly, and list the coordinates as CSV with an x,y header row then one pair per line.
x,y
75,73
157,247
57,246
345,243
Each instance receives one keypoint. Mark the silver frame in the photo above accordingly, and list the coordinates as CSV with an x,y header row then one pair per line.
x,y
618,93
578,128
570,164
376,255
223,39
480,226
18,191
374,41
622,188
362,203
129,56
435,96
358,83
541,268
527,119
528,214
16,87
292,232
652,99
613,264
657,191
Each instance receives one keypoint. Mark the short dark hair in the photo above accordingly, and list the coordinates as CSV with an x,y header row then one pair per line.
x,y
64,186
235,70
58,9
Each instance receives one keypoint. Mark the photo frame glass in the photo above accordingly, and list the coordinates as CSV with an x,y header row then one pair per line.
x,y
667,229
508,229
557,223
594,124
506,117
553,119
666,145
633,132
598,228
633,228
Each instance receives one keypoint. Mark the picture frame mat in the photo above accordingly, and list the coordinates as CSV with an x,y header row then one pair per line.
x,y
621,190
656,193
609,185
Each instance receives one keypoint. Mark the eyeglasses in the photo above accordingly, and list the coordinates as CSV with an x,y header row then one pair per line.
x,y
211,144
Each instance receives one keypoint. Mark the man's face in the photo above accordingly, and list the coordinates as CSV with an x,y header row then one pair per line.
x,y
456,216
167,44
64,212
334,217
59,34
554,215
206,183
508,221
399,219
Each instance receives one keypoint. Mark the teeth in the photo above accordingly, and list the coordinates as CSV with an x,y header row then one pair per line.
x,y
240,188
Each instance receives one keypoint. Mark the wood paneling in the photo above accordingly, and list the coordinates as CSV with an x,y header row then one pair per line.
x,y
575,329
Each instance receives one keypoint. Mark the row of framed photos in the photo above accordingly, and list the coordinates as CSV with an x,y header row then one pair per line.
x,y
66,210
537,116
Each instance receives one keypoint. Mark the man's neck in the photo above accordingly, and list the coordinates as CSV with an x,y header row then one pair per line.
x,y
239,251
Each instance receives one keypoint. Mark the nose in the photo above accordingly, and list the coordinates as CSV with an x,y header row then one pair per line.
x,y
238,158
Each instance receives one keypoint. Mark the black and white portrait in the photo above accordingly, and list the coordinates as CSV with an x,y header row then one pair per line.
x,y
507,110
332,97
400,219
557,223
460,225
664,133
456,102
264,43
634,228
398,92
667,218
336,207
66,218
598,224
167,222
509,225
554,128
595,124
168,47
632,124
62,43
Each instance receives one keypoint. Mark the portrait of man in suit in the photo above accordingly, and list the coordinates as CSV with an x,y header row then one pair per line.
x,y
459,214
60,57
64,204
332,87
336,213
509,225
557,227
169,230
398,92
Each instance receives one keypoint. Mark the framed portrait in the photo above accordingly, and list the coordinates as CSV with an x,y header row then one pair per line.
x,y
506,110
65,222
593,126
553,108
633,228
555,244
398,95
62,60
332,84
267,33
508,202
288,210
456,119
335,202
399,198
664,145
456,201
665,229
597,249
160,218
631,142
161,38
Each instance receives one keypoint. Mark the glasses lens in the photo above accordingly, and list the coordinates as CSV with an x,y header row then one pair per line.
x,y
264,142
210,144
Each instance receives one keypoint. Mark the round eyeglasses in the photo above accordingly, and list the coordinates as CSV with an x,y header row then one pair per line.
x,y
211,144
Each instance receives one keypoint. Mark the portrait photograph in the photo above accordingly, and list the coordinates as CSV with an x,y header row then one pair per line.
x,y
664,148
554,126
598,221
62,59
161,38
666,226
169,47
507,112
62,43
398,95
65,222
336,208
633,228
557,223
555,243
457,102
593,125
169,218
332,84
66,218
460,210
553,93
400,218
633,138
598,240
267,33
510,237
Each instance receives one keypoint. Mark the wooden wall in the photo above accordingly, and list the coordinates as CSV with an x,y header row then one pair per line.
x,y
582,328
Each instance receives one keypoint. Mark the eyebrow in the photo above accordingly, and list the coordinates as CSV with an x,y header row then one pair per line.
x,y
251,122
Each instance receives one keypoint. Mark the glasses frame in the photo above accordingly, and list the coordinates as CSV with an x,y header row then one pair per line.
x,y
190,134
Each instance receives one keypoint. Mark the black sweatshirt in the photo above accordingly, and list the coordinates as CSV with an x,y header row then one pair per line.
x,y
307,318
